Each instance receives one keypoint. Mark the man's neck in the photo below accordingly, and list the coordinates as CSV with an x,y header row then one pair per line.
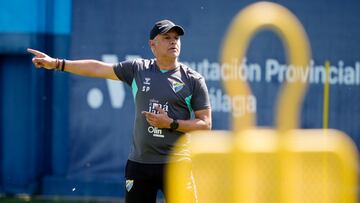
x,y
168,64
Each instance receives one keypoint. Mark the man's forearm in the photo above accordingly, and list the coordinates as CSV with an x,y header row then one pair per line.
x,y
192,125
90,68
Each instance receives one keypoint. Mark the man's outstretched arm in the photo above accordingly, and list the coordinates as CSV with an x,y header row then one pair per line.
x,y
88,67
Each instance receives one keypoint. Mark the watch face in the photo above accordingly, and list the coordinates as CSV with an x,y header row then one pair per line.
x,y
174,125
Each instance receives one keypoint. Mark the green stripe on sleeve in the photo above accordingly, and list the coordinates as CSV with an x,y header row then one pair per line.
x,y
188,103
134,88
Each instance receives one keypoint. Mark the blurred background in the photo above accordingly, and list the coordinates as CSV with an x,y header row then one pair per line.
x,y
63,135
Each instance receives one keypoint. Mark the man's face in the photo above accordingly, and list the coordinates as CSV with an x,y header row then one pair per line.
x,y
166,45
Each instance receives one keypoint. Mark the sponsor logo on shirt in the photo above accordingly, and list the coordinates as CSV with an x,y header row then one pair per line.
x,y
147,81
146,84
153,103
155,131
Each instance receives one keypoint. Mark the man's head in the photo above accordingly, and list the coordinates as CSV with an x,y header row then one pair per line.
x,y
165,39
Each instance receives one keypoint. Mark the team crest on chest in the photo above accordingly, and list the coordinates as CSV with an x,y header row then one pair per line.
x,y
177,86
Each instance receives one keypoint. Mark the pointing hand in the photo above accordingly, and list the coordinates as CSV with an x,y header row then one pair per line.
x,y
42,60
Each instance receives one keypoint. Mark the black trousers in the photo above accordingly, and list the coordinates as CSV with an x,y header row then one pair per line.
x,y
143,181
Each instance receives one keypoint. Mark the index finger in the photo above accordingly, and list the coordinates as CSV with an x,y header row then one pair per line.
x,y
148,114
35,52
160,109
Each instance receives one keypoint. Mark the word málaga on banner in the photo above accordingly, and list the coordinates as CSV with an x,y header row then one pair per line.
x,y
339,73
238,105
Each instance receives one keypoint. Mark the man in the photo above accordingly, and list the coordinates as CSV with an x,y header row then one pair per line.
x,y
166,93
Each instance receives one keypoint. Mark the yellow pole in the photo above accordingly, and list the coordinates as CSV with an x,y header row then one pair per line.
x,y
326,96
325,180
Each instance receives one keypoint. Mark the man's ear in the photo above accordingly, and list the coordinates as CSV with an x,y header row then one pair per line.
x,y
151,43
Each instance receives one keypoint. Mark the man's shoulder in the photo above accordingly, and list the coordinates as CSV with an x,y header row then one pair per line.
x,y
143,62
191,73
139,64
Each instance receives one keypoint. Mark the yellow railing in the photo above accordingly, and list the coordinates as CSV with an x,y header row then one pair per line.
x,y
249,164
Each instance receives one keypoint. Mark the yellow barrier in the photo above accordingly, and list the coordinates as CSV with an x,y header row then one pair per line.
x,y
270,16
266,165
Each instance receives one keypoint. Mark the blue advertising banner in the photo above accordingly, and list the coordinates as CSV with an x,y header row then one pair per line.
x,y
102,111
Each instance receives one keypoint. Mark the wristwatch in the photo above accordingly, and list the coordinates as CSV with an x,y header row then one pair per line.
x,y
174,125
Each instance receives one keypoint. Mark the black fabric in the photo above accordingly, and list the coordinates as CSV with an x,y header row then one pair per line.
x,y
182,91
148,179
135,170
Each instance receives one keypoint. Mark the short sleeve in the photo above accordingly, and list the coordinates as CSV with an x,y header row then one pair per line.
x,y
125,71
200,97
